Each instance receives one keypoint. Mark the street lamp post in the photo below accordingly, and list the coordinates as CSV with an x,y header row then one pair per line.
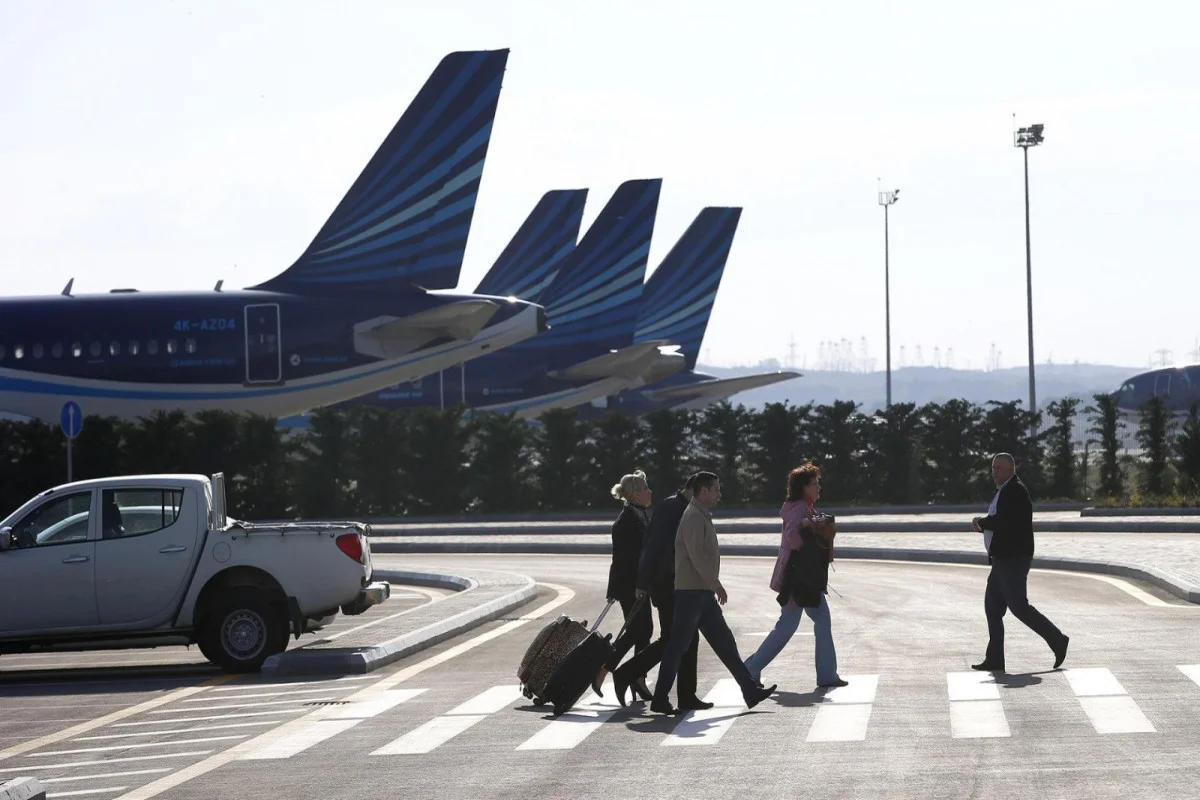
x,y
1026,138
885,200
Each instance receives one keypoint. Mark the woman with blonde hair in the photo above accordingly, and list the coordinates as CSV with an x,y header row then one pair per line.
x,y
628,532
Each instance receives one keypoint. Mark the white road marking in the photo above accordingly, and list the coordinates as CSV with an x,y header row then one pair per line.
x,y
155,788
1106,703
106,761
1192,671
127,774
332,722
227,697
440,730
845,711
975,708
174,720
569,729
81,792
250,705
241,687
99,722
707,726
111,747
232,725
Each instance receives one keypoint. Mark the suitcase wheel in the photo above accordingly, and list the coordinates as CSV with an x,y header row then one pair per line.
x,y
537,701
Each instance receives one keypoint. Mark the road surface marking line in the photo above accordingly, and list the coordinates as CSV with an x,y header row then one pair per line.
x,y
248,705
155,788
442,729
569,729
82,792
241,687
975,708
226,697
99,722
1108,707
707,726
125,774
93,762
230,726
174,720
1192,671
140,745
845,711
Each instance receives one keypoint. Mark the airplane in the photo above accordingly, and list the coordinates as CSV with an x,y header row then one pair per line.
x,y
1178,386
591,299
676,305
362,308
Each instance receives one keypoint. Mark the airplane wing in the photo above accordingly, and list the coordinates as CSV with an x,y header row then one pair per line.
x,y
391,337
707,392
628,362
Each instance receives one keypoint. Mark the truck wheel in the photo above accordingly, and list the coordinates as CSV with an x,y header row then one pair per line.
x,y
243,629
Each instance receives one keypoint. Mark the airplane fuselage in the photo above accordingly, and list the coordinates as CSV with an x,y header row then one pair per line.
x,y
130,354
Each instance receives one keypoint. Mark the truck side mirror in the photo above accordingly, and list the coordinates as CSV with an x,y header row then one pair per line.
x,y
6,539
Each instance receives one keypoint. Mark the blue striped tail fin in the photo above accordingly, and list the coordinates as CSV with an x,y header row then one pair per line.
x,y
593,302
536,253
678,299
404,222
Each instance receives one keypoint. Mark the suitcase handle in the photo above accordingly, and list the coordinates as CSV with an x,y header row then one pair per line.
x,y
600,618
636,608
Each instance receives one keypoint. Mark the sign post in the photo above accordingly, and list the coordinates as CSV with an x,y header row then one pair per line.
x,y
71,420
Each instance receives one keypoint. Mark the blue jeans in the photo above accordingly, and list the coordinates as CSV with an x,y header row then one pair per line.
x,y
785,627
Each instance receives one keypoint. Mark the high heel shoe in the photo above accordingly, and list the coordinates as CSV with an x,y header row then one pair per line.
x,y
598,681
641,689
619,686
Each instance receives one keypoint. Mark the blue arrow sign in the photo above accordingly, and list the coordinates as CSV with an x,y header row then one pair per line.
x,y
71,419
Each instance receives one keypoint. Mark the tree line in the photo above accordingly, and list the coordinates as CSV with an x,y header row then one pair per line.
x,y
373,462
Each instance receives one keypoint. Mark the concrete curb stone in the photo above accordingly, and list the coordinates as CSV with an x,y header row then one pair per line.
x,y
22,789
361,660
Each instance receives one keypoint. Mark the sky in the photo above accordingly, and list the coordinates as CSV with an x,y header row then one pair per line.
x,y
169,144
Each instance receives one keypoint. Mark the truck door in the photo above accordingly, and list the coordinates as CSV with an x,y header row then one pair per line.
x,y
48,579
145,553
264,354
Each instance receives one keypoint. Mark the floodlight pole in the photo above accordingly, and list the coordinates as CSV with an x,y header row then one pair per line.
x,y
1024,139
885,200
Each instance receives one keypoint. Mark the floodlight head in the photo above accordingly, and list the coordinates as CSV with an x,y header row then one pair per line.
x,y
1030,136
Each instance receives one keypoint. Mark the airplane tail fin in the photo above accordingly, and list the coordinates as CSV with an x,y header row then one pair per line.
x,y
404,223
678,298
534,256
593,301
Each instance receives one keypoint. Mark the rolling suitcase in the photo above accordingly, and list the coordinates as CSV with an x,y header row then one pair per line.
x,y
546,652
574,675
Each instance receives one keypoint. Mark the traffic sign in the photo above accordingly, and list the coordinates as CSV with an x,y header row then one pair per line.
x,y
71,419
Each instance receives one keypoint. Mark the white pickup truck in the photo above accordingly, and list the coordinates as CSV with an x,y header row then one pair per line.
x,y
152,560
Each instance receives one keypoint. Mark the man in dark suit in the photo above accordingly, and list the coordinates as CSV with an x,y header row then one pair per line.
x,y
1008,537
656,577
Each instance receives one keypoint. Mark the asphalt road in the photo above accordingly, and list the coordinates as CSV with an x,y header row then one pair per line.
x,y
1119,720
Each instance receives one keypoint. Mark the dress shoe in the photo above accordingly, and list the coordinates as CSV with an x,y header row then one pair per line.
x,y
598,681
834,683
662,708
693,704
1060,652
757,695
984,666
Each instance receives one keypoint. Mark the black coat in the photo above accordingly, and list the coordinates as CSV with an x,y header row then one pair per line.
x,y
1012,524
807,575
656,567
628,535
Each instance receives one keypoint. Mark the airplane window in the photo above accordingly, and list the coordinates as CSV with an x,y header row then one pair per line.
x,y
76,349
114,348
96,349
171,346
133,347
19,351
37,351
152,347
189,345
57,350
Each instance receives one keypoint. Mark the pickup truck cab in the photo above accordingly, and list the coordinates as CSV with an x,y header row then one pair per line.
x,y
152,560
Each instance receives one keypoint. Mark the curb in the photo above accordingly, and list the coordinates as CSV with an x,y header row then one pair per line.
x,y
1151,575
361,660
22,789
771,525
1141,512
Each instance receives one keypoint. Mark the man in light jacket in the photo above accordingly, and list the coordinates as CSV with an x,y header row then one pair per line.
x,y
698,591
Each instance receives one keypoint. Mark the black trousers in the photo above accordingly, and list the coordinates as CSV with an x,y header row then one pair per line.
x,y
1006,591
637,630
642,662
